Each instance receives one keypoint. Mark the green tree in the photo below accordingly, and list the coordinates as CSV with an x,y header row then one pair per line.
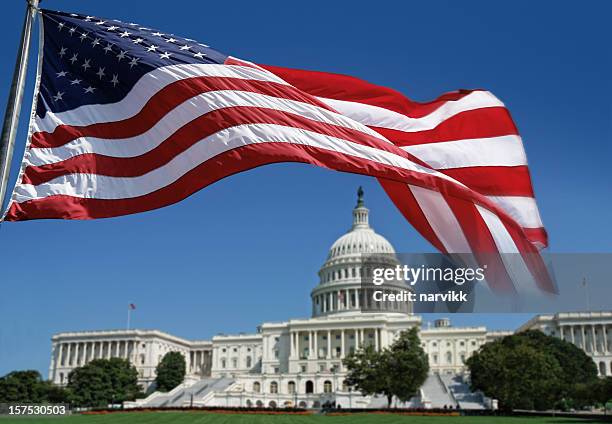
x,y
29,387
170,371
103,381
531,370
395,371
22,386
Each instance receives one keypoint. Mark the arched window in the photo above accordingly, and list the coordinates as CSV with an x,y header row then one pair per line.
x,y
316,404
309,386
302,404
249,403
223,363
259,404
257,387
274,387
272,404
327,386
291,387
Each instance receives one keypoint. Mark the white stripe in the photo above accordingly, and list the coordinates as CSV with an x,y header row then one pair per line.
x,y
385,118
505,150
513,261
144,89
523,210
106,187
442,219
182,115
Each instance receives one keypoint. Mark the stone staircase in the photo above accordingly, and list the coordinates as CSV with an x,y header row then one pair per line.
x,y
465,397
436,393
183,394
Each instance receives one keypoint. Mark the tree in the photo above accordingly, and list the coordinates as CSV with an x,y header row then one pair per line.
x,y
170,371
28,387
530,370
395,371
103,381
21,386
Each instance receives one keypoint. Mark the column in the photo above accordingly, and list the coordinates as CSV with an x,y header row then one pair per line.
x,y
310,348
328,344
358,304
594,339
605,338
291,344
361,338
347,299
582,340
330,301
316,344
573,339
342,343
69,361
60,356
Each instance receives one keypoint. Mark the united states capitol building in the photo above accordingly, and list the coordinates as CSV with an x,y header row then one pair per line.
x,y
299,362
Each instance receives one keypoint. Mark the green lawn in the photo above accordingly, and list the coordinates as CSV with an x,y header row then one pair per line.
x,y
210,418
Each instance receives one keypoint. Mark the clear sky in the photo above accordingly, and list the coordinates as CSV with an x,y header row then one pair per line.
x,y
247,249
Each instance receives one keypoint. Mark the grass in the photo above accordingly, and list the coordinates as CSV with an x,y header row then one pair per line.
x,y
212,418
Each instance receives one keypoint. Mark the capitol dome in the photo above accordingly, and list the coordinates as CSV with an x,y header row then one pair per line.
x,y
349,264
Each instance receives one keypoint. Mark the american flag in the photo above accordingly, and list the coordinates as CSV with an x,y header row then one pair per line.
x,y
129,119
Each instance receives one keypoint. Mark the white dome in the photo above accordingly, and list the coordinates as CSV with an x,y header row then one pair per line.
x,y
361,238
359,241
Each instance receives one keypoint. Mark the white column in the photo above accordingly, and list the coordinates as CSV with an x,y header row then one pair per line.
x,y
605,338
291,344
329,344
593,339
316,344
342,343
573,339
357,298
69,361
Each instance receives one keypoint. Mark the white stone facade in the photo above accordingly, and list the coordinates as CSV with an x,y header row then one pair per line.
x,y
299,362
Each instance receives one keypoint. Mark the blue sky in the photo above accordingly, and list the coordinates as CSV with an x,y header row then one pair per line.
x,y
247,249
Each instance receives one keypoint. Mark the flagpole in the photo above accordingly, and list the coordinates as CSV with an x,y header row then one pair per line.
x,y
127,327
15,99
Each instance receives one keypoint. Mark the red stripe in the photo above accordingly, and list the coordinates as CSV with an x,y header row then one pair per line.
x,y
495,180
533,260
477,123
404,200
343,87
163,102
537,235
186,137
481,242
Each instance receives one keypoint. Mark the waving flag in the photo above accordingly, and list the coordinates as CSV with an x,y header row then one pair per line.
x,y
129,119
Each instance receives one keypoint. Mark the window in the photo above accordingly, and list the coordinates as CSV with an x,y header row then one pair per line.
x,y
327,386
345,386
257,387
462,343
449,357
309,387
223,350
473,342
234,362
223,363
434,344
291,387
276,370
303,368
276,353
321,367
435,359
248,362
235,349
274,387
